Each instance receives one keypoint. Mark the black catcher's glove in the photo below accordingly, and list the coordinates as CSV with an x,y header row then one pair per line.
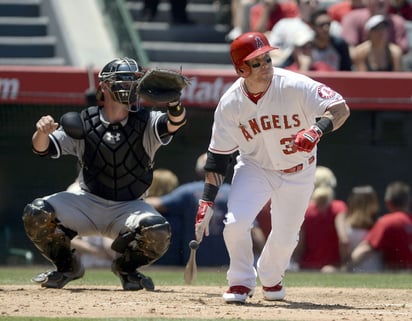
x,y
161,85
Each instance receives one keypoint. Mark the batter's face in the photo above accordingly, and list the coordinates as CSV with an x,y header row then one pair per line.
x,y
261,68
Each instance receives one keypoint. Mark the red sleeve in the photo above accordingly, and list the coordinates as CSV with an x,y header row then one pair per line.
x,y
289,9
339,207
338,10
376,236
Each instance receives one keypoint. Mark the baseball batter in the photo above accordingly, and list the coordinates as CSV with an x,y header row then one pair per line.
x,y
274,118
115,145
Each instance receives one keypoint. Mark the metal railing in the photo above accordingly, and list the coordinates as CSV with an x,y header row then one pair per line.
x,y
127,37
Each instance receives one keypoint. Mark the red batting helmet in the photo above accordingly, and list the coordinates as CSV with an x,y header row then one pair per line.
x,y
246,47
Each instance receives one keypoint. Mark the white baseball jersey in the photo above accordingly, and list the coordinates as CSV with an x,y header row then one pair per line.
x,y
263,133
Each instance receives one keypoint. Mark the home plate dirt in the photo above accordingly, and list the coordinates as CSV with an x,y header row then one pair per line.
x,y
205,302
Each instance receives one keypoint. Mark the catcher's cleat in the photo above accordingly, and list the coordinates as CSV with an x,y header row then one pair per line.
x,y
135,281
57,280
237,294
274,293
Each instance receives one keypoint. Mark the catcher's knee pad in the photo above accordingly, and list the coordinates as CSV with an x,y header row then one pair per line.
x,y
155,234
151,238
39,220
42,228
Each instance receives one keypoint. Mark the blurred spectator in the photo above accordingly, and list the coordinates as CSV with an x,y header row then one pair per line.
x,y
377,53
329,48
284,32
391,235
223,12
265,14
178,11
261,229
402,8
179,207
325,177
164,181
339,9
240,18
263,220
352,227
353,25
302,56
94,251
318,245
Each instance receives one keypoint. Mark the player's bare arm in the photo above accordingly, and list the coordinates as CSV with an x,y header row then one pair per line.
x,y
216,166
333,118
359,253
214,178
45,126
337,114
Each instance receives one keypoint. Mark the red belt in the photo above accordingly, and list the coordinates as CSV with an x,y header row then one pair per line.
x,y
299,167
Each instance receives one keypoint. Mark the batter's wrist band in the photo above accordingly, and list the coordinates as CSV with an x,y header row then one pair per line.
x,y
209,192
175,110
325,124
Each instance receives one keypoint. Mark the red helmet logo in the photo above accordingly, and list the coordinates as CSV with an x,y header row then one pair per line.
x,y
248,46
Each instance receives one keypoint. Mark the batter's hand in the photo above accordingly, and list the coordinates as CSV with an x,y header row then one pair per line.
x,y
306,140
46,125
203,216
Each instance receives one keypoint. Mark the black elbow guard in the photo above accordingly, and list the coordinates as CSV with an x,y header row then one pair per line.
x,y
217,163
72,125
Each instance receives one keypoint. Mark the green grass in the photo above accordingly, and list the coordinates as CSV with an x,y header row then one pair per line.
x,y
207,276
217,276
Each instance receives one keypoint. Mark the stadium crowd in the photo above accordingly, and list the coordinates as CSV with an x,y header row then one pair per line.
x,y
323,35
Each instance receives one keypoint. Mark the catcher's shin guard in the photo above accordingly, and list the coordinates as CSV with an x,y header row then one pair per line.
x,y
42,229
147,243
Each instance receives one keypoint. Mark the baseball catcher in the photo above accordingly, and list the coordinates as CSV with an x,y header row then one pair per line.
x,y
115,144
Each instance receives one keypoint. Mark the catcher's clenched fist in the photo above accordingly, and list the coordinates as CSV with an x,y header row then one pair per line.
x,y
46,125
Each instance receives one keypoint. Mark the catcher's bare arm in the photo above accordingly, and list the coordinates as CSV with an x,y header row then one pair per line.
x,y
45,126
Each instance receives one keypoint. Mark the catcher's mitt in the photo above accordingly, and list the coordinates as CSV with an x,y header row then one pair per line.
x,y
161,85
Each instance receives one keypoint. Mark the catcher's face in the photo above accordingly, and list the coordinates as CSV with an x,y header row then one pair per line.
x,y
122,88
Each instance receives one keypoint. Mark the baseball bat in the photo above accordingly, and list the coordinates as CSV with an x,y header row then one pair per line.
x,y
190,273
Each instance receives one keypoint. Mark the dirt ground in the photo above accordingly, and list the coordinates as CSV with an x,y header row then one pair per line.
x,y
199,302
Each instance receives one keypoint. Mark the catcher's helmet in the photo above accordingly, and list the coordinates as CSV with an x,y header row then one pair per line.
x,y
121,73
246,47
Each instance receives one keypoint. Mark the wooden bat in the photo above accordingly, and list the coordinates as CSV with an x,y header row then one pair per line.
x,y
190,273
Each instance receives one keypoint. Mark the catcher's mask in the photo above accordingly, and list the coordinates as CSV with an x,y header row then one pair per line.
x,y
121,75
246,47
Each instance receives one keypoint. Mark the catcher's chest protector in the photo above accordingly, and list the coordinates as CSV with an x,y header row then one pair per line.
x,y
115,164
